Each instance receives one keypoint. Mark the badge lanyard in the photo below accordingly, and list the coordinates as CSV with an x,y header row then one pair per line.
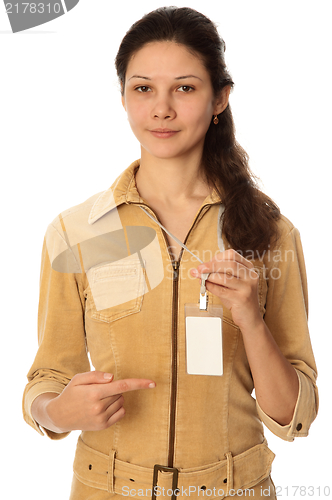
x,y
204,276
203,327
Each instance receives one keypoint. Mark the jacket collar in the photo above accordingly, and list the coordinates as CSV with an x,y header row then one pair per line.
x,y
124,190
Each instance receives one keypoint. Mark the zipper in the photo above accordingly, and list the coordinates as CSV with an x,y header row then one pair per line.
x,y
176,266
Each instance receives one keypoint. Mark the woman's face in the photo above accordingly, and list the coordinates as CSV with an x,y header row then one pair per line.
x,y
169,100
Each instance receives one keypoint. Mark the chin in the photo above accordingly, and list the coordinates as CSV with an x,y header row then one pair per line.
x,y
166,155
167,152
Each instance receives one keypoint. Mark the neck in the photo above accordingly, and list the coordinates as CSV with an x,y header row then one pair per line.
x,y
172,183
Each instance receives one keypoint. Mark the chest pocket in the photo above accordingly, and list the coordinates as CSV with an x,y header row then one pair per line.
x,y
115,289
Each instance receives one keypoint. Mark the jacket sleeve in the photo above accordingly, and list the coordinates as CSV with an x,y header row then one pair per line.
x,y
286,316
61,335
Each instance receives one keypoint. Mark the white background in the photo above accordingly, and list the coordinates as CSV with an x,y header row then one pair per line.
x,y
64,136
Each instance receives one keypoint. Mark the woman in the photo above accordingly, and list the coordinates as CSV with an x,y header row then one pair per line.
x,y
120,279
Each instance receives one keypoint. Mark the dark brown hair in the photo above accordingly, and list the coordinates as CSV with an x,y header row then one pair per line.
x,y
250,217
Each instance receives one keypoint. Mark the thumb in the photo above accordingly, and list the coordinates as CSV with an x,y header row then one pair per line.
x,y
93,377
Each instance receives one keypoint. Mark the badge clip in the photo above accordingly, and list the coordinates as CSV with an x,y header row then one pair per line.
x,y
202,293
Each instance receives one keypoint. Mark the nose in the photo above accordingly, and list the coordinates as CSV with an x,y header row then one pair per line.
x,y
163,108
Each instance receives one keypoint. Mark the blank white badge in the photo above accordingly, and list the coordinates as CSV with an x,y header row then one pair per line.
x,y
204,345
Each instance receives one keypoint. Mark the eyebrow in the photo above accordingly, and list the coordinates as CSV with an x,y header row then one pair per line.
x,y
177,78
138,76
187,76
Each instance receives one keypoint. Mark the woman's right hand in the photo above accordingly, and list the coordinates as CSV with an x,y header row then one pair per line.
x,y
90,402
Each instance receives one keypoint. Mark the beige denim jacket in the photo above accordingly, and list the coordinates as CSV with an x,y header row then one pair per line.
x,y
109,288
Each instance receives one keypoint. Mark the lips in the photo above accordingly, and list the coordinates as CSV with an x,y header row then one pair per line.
x,y
163,133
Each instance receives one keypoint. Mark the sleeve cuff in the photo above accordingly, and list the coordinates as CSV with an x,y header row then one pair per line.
x,y
30,395
304,413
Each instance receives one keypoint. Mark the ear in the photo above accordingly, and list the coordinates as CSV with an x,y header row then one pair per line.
x,y
222,101
122,97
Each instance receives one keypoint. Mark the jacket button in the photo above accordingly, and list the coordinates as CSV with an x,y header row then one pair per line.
x,y
299,427
225,480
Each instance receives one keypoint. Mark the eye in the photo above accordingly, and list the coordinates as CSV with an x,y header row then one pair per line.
x,y
186,89
142,88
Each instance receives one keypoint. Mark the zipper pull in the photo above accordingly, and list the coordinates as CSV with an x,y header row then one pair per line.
x,y
176,266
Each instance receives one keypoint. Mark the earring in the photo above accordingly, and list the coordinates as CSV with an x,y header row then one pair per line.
x,y
215,120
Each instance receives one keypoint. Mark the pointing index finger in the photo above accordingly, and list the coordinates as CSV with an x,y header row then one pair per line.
x,y
131,384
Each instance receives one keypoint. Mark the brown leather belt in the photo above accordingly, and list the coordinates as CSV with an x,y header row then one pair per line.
x,y
216,480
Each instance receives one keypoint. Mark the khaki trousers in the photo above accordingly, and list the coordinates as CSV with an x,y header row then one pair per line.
x,y
263,490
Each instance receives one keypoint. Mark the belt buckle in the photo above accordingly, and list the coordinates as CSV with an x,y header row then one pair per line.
x,y
163,468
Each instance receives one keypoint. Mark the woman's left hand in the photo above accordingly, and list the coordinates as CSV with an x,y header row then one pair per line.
x,y
234,280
